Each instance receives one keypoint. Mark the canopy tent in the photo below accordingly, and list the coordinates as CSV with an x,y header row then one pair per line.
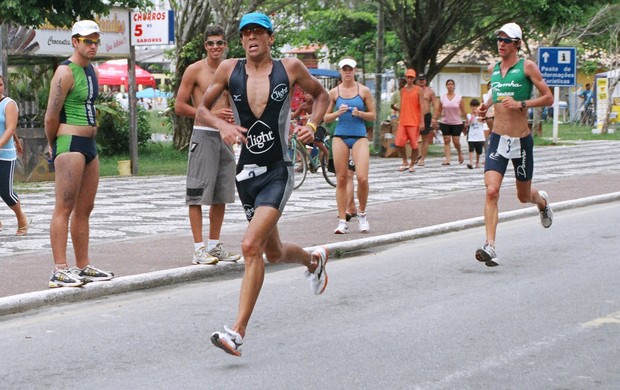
x,y
114,72
150,93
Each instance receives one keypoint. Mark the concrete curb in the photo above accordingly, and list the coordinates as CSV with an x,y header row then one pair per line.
x,y
30,301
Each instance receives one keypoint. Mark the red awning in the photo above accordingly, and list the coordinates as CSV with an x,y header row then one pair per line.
x,y
114,72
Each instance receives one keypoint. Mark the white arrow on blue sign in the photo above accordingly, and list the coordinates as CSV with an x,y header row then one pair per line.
x,y
558,66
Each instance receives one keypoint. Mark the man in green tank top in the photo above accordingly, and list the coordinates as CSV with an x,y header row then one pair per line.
x,y
70,128
512,82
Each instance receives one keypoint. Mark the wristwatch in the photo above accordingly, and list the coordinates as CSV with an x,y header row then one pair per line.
x,y
523,105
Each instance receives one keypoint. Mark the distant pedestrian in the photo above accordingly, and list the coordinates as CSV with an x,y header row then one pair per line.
x,y
410,121
475,129
10,148
211,162
429,101
512,81
71,128
261,89
451,116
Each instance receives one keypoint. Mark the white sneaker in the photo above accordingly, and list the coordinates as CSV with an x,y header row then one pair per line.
x,y
546,215
343,227
318,279
363,222
486,254
201,256
228,340
222,254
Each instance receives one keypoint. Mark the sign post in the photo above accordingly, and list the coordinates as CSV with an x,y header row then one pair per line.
x,y
147,28
558,66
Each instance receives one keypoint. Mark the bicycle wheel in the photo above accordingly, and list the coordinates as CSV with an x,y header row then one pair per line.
x,y
300,164
330,176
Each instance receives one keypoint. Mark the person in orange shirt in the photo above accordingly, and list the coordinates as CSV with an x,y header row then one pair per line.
x,y
410,121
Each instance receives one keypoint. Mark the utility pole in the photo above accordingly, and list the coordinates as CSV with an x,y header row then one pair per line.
x,y
376,138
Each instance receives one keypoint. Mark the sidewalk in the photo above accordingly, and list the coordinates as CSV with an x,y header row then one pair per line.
x,y
166,258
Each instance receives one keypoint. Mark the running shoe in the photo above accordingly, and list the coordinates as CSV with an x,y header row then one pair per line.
x,y
201,256
363,222
92,274
343,227
228,340
546,215
222,254
65,278
486,254
318,278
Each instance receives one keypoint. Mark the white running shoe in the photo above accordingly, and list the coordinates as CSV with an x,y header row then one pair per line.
x,y
343,227
228,340
201,256
92,274
486,254
222,254
318,278
363,222
546,215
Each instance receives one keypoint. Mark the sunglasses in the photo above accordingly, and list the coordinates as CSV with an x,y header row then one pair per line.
x,y
89,41
218,42
507,40
256,30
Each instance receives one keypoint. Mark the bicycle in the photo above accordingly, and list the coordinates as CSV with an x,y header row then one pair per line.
x,y
304,162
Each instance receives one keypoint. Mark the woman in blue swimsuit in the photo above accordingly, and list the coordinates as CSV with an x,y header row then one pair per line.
x,y
350,104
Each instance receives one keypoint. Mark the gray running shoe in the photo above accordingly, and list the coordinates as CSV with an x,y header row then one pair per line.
x,y
546,215
92,274
486,254
65,278
228,340
222,254
201,257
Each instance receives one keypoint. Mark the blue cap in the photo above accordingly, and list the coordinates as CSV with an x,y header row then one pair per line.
x,y
256,18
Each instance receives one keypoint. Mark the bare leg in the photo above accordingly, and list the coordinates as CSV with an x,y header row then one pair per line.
x,y
85,201
68,179
457,145
446,148
361,159
262,237
492,181
402,152
195,222
341,162
216,219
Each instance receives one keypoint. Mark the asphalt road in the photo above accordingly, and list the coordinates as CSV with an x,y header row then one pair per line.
x,y
422,314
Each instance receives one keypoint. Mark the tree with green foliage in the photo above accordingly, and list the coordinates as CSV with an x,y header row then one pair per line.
x,y
60,12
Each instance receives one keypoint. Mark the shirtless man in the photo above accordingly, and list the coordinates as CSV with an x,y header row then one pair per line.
x,y
428,100
260,91
210,166
512,82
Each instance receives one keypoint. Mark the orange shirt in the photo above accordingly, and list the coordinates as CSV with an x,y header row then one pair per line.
x,y
410,110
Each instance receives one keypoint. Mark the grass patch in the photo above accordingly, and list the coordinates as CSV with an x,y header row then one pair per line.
x,y
159,158
572,132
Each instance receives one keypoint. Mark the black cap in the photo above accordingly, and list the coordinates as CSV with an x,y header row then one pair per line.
x,y
421,76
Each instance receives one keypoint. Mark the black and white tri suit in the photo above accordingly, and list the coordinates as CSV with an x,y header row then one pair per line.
x,y
264,170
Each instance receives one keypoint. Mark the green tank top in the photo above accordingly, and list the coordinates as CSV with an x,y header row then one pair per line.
x,y
79,108
515,84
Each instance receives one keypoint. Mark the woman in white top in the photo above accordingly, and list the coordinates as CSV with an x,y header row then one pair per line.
x,y
451,123
9,148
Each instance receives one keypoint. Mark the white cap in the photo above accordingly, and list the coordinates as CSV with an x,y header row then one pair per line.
x,y
511,29
347,62
84,28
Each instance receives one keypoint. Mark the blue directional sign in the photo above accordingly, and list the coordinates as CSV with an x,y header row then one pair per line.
x,y
558,66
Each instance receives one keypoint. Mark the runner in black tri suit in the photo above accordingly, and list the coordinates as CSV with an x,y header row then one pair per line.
x,y
259,89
